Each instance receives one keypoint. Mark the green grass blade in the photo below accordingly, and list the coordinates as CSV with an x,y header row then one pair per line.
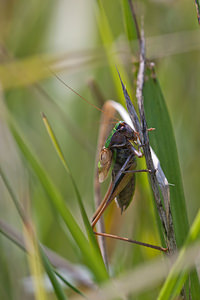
x,y
12,194
164,145
108,42
51,274
21,245
128,21
77,291
93,261
57,287
56,145
175,281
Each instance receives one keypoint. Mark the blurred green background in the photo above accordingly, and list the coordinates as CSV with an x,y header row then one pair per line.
x,y
37,37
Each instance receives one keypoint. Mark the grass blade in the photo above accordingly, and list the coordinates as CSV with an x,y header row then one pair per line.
x,y
93,261
77,291
51,274
176,280
78,196
35,249
9,233
163,142
128,22
35,263
108,42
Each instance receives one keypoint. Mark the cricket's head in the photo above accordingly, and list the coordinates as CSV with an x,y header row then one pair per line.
x,y
120,134
127,131
104,164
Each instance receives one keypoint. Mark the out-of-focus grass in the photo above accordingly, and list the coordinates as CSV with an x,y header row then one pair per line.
x,y
31,30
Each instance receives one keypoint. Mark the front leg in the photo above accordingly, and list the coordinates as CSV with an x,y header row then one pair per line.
x,y
140,171
135,152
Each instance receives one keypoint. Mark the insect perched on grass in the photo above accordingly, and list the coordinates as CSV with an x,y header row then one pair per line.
x,y
119,153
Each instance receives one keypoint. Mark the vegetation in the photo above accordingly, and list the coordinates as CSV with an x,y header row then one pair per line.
x,y
58,66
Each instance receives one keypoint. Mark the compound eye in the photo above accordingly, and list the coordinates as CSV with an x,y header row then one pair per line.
x,y
122,128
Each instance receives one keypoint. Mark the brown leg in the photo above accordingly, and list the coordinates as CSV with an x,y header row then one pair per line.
x,y
138,171
116,237
110,195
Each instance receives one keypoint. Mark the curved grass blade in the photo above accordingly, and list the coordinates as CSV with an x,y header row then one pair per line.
x,y
54,141
93,261
176,280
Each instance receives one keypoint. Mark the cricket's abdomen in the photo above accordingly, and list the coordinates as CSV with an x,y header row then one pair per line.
x,y
126,194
